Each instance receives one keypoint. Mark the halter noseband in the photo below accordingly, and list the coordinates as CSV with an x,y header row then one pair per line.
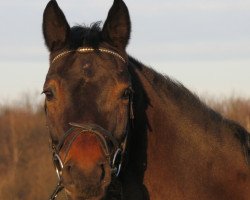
x,y
86,50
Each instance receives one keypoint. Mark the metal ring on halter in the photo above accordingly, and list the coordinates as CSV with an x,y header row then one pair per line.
x,y
117,162
58,165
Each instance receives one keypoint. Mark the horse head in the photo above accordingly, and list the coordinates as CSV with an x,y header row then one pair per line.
x,y
88,99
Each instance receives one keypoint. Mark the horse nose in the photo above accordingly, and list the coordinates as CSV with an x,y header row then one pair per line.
x,y
74,173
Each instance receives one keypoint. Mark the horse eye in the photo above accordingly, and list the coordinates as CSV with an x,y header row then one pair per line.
x,y
49,94
127,93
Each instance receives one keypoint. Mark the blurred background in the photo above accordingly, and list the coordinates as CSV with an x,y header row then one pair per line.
x,y
205,44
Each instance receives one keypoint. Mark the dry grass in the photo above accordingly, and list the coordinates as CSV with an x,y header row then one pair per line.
x,y
26,169
235,108
25,165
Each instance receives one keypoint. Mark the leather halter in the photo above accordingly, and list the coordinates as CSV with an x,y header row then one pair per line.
x,y
115,155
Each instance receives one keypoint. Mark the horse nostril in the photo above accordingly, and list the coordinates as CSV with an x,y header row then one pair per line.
x,y
68,168
103,172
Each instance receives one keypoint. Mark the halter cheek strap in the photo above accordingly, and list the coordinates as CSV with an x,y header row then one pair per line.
x,y
87,50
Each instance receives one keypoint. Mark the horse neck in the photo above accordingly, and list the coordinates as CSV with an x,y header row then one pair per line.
x,y
171,109
173,128
168,106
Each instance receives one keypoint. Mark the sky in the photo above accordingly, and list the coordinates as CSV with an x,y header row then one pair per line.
x,y
204,44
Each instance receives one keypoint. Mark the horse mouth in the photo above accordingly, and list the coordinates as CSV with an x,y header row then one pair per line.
x,y
84,188
84,193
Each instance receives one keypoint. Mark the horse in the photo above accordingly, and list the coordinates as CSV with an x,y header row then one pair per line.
x,y
120,130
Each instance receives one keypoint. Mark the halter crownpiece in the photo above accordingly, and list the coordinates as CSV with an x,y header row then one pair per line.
x,y
86,50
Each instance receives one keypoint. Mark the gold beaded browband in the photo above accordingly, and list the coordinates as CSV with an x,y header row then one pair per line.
x,y
86,50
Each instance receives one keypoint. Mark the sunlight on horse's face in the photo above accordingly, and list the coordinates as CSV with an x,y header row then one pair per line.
x,y
86,172
87,88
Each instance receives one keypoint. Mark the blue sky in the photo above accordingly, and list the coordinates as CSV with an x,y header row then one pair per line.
x,y
205,44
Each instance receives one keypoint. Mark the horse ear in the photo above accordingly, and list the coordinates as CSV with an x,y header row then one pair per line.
x,y
117,27
56,29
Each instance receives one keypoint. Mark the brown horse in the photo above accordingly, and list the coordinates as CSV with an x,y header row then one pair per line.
x,y
122,131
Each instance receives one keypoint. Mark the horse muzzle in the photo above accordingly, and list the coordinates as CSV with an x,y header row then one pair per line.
x,y
85,160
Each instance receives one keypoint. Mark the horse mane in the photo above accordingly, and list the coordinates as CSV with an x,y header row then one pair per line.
x,y
190,103
176,91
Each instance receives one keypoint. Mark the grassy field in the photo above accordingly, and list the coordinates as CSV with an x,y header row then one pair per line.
x,y
26,169
25,160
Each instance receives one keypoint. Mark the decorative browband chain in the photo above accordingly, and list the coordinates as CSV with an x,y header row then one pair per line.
x,y
86,50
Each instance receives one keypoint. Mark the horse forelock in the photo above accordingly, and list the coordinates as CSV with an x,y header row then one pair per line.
x,y
85,36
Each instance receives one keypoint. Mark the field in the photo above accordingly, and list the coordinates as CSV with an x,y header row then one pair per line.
x,y
26,170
